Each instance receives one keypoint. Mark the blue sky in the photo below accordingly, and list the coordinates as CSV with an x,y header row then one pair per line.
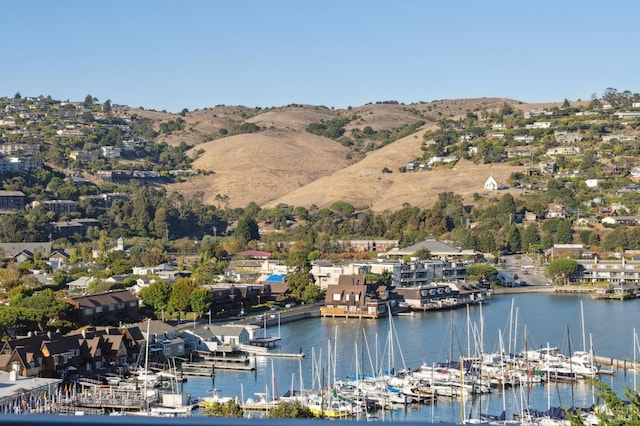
x,y
337,53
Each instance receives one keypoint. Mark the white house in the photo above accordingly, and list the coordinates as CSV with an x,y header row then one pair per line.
x,y
591,183
491,184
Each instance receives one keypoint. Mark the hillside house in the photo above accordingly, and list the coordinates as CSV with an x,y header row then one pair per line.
x,y
10,250
12,200
556,210
491,184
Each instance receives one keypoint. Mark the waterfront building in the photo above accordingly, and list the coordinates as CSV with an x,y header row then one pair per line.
x,y
441,295
25,395
354,297
162,339
615,272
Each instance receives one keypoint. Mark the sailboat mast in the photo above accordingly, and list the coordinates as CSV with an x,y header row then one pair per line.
x,y
584,341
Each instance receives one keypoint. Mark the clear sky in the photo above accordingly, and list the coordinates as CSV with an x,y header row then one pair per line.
x,y
194,54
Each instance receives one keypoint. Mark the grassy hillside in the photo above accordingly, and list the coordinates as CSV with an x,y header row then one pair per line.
x,y
280,162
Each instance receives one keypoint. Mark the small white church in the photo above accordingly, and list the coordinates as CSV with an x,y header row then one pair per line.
x,y
491,184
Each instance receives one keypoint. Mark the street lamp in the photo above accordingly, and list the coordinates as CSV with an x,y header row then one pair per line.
x,y
241,309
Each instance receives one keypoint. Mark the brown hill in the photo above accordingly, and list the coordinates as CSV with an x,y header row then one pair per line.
x,y
364,184
282,163
261,167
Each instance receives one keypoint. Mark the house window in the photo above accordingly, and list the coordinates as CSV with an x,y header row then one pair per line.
x,y
121,305
347,297
98,352
98,309
357,297
88,311
133,304
112,307
167,351
336,297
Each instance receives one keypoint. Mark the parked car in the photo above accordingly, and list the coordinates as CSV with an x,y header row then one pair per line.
x,y
290,305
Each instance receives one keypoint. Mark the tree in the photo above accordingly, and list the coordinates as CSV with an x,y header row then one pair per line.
x,y
291,410
247,229
88,101
200,300
481,272
530,237
157,295
181,294
218,409
300,280
617,411
563,267
514,240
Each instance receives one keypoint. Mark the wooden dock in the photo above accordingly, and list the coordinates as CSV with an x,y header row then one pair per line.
x,y
197,369
617,364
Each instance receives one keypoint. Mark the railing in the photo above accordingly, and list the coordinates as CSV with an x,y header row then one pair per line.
x,y
53,420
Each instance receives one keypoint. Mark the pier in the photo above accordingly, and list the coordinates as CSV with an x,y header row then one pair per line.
x,y
616,364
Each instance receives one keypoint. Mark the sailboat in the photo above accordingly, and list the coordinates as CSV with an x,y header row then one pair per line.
x,y
174,403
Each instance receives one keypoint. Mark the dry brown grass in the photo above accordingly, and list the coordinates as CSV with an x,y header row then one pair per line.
x,y
262,167
285,164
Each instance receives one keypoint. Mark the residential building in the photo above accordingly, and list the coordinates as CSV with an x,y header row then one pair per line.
x,y
367,246
56,206
69,228
441,295
110,151
556,210
435,248
354,297
10,250
19,148
111,307
614,272
163,340
12,200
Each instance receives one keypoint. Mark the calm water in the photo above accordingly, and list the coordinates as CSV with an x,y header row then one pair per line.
x,y
436,336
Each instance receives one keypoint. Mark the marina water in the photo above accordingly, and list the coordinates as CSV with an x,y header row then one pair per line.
x,y
569,323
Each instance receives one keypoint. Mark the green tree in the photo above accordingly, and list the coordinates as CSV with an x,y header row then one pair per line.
x,y
157,295
344,208
563,267
200,300
299,278
291,410
247,229
229,409
530,237
514,241
617,412
481,272
181,294
564,233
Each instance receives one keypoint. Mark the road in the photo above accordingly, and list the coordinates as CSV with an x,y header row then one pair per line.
x,y
521,268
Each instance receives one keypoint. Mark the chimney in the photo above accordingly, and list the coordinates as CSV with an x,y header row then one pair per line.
x,y
15,372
